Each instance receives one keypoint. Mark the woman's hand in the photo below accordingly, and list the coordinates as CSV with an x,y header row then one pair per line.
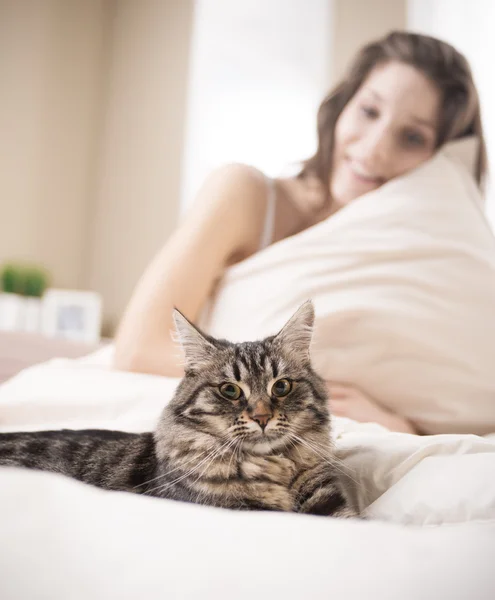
x,y
347,401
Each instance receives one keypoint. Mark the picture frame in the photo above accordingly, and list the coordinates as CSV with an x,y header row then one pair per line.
x,y
72,314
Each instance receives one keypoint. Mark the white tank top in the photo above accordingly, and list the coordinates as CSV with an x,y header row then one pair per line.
x,y
267,233
265,240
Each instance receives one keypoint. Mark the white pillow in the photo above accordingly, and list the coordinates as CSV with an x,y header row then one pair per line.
x,y
403,281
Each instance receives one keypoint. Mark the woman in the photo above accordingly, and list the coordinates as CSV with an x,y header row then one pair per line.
x,y
404,96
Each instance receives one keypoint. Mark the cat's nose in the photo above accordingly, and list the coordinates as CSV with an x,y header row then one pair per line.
x,y
262,419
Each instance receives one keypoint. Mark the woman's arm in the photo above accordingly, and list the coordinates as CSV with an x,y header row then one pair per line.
x,y
346,401
224,226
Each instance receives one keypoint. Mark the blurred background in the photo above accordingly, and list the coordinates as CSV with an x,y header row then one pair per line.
x,y
113,111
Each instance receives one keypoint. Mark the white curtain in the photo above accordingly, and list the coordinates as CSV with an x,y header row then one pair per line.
x,y
259,70
470,27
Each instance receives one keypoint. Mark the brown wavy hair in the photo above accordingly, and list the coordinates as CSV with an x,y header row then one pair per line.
x,y
449,70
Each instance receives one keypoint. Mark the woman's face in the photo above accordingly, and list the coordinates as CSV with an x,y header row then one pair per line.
x,y
387,128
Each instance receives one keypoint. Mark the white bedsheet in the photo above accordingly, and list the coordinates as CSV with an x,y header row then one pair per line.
x,y
430,501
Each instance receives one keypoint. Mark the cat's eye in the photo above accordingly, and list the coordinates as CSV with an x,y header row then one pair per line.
x,y
231,391
281,388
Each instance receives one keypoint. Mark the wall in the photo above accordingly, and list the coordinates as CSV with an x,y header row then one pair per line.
x,y
138,177
50,76
91,119
358,22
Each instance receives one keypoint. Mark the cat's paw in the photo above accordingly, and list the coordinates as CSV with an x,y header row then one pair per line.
x,y
319,491
271,495
346,512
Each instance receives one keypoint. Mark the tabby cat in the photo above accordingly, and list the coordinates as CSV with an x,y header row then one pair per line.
x,y
248,428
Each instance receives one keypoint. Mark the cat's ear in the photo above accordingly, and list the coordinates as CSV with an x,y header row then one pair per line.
x,y
197,349
296,334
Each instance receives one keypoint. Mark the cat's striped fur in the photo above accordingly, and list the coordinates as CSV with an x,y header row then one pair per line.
x,y
248,428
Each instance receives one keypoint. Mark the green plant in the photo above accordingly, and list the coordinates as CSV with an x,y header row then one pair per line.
x,y
36,282
12,279
26,280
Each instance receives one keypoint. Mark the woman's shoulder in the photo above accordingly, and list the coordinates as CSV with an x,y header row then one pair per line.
x,y
237,190
242,177
233,197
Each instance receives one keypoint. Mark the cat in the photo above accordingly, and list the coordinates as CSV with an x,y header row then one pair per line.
x,y
248,428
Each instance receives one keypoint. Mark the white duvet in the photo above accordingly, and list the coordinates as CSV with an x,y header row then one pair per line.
x,y
430,503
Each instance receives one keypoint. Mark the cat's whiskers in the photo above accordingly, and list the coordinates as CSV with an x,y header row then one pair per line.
x,y
212,455
231,443
296,448
241,426
334,461
193,458
319,451
229,446
346,471
203,494
238,441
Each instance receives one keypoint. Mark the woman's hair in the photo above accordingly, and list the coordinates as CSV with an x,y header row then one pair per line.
x,y
460,109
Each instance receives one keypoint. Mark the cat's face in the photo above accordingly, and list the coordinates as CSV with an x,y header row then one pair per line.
x,y
259,395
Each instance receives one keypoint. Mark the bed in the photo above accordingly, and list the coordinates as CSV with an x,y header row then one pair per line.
x,y
429,504
403,281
